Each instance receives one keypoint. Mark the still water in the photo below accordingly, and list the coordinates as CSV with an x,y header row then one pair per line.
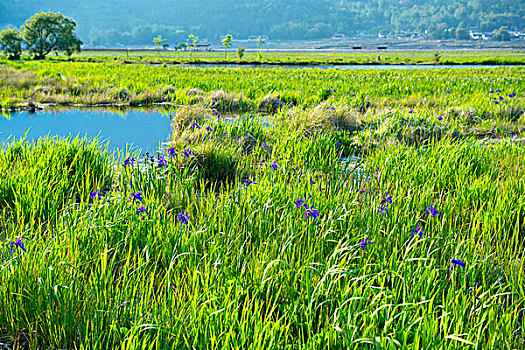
x,y
144,130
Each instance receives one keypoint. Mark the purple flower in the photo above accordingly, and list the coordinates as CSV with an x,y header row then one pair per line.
x,y
448,92
290,104
183,217
418,231
209,128
362,191
411,111
171,152
491,91
387,199
136,195
195,125
383,209
95,194
501,98
311,211
512,95
129,161
250,182
332,108
142,210
162,162
298,203
498,90
456,262
274,166
431,210
187,152
440,118
17,243
364,242
496,102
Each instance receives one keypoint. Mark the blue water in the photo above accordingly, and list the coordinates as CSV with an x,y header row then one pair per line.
x,y
145,130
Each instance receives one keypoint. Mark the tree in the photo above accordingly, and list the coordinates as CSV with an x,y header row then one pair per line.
x,y
226,43
50,31
260,43
240,52
462,32
158,41
193,39
502,34
11,43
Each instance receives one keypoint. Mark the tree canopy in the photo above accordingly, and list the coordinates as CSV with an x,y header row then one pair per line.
x,y
49,31
11,42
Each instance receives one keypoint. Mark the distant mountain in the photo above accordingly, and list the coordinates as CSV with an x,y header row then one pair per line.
x,y
110,22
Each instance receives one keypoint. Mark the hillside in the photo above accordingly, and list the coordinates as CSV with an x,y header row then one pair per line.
x,y
134,22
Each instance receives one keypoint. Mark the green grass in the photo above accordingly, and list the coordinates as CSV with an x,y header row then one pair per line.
x,y
251,269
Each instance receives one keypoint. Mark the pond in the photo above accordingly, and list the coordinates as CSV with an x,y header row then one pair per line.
x,y
143,130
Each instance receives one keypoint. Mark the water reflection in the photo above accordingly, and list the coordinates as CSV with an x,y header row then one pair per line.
x,y
145,129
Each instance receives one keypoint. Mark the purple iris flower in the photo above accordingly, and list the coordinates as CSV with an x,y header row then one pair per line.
x,y
136,195
18,243
501,98
250,182
311,212
209,128
418,231
187,152
142,210
95,194
183,217
448,92
456,262
332,108
274,166
298,203
290,104
496,102
387,199
440,118
364,242
498,90
383,209
431,210
512,95
195,125
129,161
411,111
491,91
171,152
162,162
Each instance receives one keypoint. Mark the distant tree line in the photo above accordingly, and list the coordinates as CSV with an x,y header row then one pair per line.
x,y
42,34
131,22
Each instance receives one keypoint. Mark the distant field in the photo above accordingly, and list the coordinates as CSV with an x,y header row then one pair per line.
x,y
321,57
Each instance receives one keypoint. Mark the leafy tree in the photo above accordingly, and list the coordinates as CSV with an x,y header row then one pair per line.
x,y
11,43
260,42
193,40
158,41
240,52
462,32
502,34
226,43
50,31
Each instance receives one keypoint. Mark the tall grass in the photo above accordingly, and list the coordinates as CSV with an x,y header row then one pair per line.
x,y
252,267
